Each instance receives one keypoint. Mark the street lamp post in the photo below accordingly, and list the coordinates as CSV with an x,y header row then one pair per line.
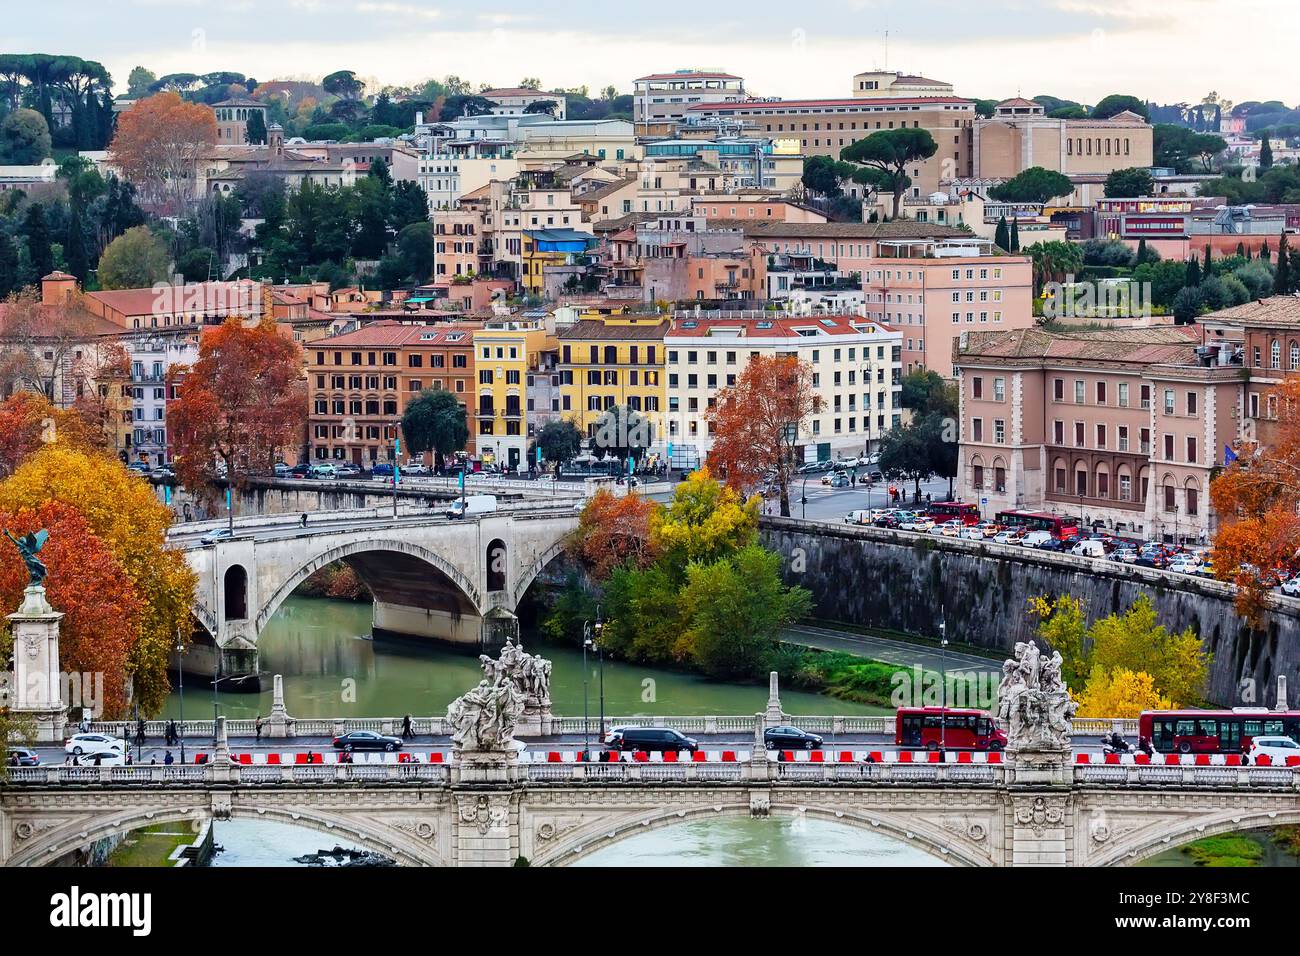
x,y
180,680
600,656
586,727
397,457
943,685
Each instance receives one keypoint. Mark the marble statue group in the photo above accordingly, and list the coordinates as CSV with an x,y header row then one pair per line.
x,y
484,719
1033,702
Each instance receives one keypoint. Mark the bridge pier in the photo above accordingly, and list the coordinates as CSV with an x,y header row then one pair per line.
x,y
446,627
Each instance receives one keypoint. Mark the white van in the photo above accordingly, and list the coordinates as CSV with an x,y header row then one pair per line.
x,y
1089,548
472,505
858,517
1036,538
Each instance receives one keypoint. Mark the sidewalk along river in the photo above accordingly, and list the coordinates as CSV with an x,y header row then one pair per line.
x,y
332,668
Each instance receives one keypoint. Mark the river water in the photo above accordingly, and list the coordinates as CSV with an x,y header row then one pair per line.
x,y
332,668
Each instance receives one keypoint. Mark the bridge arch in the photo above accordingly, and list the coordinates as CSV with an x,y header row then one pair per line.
x,y
938,842
235,594
45,845
529,574
1169,833
463,592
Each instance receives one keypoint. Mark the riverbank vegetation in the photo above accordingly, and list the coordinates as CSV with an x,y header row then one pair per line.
x,y
336,580
1122,664
686,584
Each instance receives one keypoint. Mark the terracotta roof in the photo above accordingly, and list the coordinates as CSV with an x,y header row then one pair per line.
x,y
517,91
690,75
594,329
212,297
787,326
386,332
596,195
1148,345
830,104
1020,101
895,229
1277,310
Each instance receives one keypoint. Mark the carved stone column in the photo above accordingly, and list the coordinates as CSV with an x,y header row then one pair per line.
x,y
37,695
277,724
773,716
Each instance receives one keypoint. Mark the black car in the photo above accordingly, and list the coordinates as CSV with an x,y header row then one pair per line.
x,y
22,757
367,740
302,470
650,739
887,521
790,738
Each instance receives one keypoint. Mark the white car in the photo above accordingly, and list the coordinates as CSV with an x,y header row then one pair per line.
x,y
918,523
93,744
951,529
1291,587
1184,564
217,534
1277,749
1009,537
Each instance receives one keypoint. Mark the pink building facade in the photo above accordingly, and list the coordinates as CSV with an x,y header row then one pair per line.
x,y
933,291
1121,429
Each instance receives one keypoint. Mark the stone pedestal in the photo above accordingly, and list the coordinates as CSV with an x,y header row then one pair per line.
x,y
1039,768
536,720
1281,693
486,767
36,696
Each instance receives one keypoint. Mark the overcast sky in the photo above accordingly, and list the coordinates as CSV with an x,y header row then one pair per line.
x,y
1165,50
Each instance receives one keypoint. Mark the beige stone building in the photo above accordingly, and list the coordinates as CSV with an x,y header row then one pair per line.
x,y
1019,135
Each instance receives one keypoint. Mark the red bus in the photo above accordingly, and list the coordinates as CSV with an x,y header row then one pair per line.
x,y
1060,526
955,728
942,511
1215,731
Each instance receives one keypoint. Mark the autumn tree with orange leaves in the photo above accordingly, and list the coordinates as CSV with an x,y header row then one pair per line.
x,y
242,401
756,423
613,531
1257,499
157,143
29,421
100,605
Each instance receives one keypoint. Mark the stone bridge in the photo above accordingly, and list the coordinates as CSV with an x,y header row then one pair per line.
x,y
457,581
968,814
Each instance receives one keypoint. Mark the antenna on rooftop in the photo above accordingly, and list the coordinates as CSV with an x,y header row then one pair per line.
x,y
886,51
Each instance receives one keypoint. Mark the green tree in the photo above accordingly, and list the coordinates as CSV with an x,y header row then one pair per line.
x,y
408,203
1034,184
560,440
1001,237
1053,261
134,260
1118,103
1015,235
435,421
24,138
74,245
139,82
415,249
888,153
256,128
1265,153
1128,183
40,255
1187,305
1283,282
734,610
9,274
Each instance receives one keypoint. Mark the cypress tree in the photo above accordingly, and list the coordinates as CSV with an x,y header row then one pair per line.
x,y
1264,252
1015,235
1142,252
8,266
1248,253
1282,278
37,232
1193,273
1265,153
1205,270
1001,238
1241,249
74,246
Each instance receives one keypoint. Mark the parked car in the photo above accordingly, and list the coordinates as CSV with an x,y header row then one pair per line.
x,y
300,470
1036,539
367,740
1125,555
951,529
1152,559
917,523
164,472
1052,544
381,469
323,472
1089,548
23,757
415,468
1277,749
1184,563
93,744
1206,570
282,470
887,520
346,471
139,466
1290,587
1009,536
215,535
650,739
790,738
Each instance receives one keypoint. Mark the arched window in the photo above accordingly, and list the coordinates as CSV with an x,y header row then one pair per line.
x,y
1275,354
236,593
496,565
1295,355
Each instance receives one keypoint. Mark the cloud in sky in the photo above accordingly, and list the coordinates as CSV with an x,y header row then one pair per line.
x,y
1079,49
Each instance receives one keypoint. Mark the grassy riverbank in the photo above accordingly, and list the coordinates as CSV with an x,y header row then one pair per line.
x,y
150,846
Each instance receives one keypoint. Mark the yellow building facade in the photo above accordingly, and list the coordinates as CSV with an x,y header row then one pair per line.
x,y
504,352
613,360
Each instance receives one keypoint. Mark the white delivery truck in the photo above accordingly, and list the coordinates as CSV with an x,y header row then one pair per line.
x,y
472,505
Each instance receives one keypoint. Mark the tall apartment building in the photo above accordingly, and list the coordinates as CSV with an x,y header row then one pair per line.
x,y
1120,428
660,101
507,351
610,360
855,366
932,291
359,384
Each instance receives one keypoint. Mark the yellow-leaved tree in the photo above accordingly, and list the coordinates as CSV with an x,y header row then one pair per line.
x,y
1120,693
121,510
705,521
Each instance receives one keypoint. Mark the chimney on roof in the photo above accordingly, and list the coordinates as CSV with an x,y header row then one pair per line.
x,y
58,288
